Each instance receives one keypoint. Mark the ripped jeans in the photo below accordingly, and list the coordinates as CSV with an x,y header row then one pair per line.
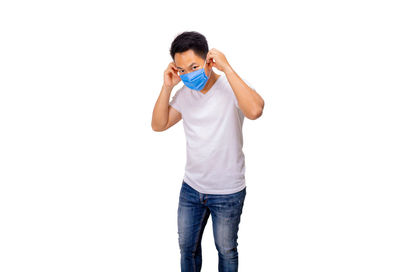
x,y
193,211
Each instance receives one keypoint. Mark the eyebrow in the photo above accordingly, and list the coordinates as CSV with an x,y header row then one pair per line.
x,y
189,65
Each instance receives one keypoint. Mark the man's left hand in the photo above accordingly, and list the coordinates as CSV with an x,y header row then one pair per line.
x,y
218,59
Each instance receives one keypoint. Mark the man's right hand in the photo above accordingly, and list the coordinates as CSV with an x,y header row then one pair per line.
x,y
171,77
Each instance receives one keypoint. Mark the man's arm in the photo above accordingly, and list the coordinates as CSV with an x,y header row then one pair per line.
x,y
249,101
164,116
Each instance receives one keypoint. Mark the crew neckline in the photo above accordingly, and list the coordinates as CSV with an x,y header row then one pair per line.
x,y
200,94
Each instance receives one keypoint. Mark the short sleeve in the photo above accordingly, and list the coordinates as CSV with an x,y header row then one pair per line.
x,y
176,101
250,85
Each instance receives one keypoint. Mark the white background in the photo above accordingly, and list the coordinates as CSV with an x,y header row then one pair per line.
x,y
86,185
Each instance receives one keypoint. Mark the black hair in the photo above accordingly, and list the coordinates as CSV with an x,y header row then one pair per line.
x,y
190,40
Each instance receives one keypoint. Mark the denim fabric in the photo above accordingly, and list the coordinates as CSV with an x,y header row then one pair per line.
x,y
194,210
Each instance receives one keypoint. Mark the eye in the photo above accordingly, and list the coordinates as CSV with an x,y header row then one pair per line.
x,y
194,67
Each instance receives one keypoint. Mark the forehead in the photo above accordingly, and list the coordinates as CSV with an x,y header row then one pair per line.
x,y
187,59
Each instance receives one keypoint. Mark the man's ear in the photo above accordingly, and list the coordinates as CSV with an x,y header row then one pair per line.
x,y
209,67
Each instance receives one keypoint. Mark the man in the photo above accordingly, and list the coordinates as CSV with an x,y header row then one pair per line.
x,y
213,108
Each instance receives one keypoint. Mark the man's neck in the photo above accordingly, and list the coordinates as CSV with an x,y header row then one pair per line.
x,y
210,82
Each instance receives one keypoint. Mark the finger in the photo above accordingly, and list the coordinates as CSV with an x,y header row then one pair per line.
x,y
170,71
175,71
175,68
171,64
172,67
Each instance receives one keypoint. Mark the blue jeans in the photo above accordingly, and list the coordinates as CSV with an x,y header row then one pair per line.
x,y
193,211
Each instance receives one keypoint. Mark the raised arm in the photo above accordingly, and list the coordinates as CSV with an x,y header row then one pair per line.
x,y
165,116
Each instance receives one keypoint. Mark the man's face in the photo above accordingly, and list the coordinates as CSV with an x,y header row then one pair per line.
x,y
188,61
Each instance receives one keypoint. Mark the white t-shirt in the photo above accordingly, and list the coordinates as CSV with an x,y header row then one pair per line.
x,y
215,162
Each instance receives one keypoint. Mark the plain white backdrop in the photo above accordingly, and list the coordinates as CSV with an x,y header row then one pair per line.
x,y
86,185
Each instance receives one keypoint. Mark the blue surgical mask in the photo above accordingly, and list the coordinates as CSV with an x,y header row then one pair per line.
x,y
195,80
